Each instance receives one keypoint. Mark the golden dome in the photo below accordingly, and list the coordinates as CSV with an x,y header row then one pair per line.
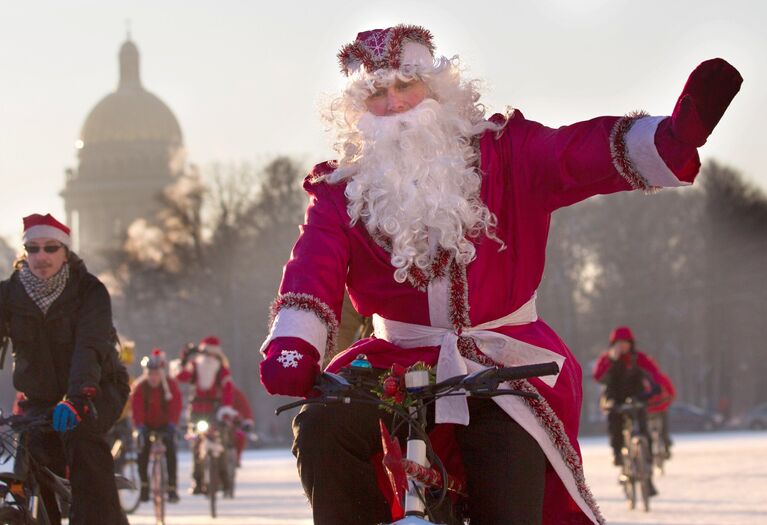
x,y
130,113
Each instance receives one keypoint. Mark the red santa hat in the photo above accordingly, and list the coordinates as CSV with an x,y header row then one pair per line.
x,y
391,48
622,333
211,340
38,226
212,345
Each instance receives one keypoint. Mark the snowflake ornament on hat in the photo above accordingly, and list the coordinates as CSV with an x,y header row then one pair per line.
x,y
391,48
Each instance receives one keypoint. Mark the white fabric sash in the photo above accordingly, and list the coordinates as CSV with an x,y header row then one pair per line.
x,y
501,348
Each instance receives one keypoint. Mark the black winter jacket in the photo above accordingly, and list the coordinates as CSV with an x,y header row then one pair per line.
x,y
67,349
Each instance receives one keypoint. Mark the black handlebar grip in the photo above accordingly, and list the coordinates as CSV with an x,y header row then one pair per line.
x,y
526,371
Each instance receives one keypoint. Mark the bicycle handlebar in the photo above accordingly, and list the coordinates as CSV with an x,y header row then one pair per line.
x,y
527,371
16,421
335,388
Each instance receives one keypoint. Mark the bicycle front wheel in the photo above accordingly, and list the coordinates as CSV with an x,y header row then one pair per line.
x,y
158,490
129,498
644,470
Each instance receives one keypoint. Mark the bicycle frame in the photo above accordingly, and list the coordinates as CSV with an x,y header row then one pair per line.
x,y
159,477
635,455
410,475
210,450
25,484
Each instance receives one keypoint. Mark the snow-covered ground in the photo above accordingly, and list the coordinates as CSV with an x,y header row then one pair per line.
x,y
713,479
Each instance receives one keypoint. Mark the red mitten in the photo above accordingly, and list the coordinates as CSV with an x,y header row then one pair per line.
x,y
706,95
290,367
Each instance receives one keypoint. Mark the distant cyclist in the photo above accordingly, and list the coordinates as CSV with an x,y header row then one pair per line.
x,y
206,369
624,354
156,403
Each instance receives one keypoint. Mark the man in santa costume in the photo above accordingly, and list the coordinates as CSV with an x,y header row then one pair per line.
x,y
615,369
206,369
435,220
156,407
59,318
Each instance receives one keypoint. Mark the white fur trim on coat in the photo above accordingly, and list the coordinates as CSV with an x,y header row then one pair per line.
x,y
641,150
303,324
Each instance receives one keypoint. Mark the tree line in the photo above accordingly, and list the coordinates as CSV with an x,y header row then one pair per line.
x,y
684,268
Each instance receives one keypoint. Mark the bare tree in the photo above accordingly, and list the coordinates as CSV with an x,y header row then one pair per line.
x,y
210,261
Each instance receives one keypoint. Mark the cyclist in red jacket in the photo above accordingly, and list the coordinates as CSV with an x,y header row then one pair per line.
x,y
243,420
613,369
156,403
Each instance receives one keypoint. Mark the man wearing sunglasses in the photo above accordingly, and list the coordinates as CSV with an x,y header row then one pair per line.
x,y
59,319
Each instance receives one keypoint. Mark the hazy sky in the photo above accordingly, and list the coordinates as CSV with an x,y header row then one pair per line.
x,y
244,78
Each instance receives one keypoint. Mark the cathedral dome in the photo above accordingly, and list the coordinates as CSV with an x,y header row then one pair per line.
x,y
130,113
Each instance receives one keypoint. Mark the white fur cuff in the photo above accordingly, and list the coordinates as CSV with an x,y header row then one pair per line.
x,y
303,324
641,151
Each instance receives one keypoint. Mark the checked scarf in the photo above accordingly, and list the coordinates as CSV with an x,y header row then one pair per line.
x,y
44,291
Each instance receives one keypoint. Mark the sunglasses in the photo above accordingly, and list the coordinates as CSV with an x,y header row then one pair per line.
x,y
47,249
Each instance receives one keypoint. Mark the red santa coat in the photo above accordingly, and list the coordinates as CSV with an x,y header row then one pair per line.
x,y
156,411
528,172
241,404
212,383
657,403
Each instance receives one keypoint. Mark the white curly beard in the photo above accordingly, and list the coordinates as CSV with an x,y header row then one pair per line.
x,y
414,183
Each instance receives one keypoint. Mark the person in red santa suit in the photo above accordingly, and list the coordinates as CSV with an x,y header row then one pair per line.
x,y
242,420
206,369
614,369
435,219
156,407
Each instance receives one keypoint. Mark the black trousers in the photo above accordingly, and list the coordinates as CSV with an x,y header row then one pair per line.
x,y
87,454
169,440
333,444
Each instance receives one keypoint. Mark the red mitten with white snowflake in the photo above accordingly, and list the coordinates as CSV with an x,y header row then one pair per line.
x,y
290,367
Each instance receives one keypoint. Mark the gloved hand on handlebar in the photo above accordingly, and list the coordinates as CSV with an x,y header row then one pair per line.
x,y
290,367
187,352
72,410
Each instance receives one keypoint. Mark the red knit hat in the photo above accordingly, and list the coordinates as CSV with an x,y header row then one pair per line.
x,y
391,48
156,360
622,333
38,226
